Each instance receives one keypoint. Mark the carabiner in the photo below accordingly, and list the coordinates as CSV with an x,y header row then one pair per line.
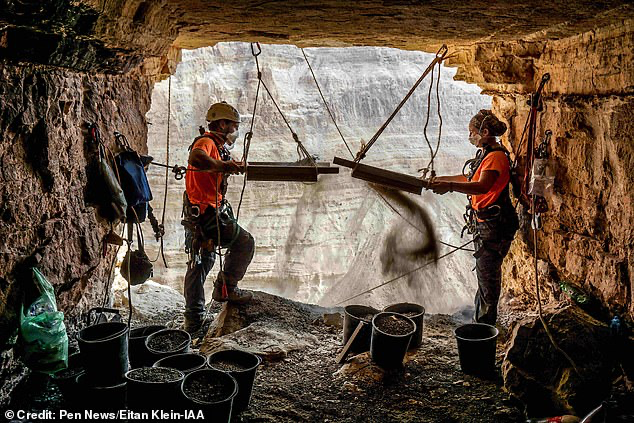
x,y
253,50
442,51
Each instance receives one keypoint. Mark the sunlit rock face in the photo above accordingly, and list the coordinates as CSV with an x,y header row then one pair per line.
x,y
322,242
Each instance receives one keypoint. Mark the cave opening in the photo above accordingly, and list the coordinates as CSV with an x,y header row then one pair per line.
x,y
69,63
325,242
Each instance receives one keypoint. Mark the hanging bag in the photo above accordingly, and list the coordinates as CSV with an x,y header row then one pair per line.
x,y
136,267
133,181
115,198
45,342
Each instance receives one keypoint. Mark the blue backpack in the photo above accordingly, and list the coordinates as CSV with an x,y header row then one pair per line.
x,y
133,181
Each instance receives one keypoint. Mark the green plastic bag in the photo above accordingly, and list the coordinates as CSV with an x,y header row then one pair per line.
x,y
44,338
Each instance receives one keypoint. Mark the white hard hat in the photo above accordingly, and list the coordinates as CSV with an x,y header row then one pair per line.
x,y
222,110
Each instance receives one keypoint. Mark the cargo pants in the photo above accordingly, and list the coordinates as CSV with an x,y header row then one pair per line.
x,y
492,241
241,247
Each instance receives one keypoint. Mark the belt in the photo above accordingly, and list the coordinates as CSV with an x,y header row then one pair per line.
x,y
489,213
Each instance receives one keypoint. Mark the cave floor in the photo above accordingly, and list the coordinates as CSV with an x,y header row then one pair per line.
x,y
429,388
305,385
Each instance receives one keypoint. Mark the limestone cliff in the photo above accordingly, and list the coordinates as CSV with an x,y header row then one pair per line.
x,y
322,243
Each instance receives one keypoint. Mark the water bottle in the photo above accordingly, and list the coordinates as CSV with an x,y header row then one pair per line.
x,y
557,419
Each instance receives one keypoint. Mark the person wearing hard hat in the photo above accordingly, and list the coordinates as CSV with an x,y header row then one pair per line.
x,y
208,217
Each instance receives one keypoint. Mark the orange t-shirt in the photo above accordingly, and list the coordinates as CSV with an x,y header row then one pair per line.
x,y
202,187
497,161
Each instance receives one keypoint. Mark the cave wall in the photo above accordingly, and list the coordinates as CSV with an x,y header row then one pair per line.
x,y
587,237
46,159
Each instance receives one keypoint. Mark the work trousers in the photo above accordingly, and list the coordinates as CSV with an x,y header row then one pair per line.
x,y
241,247
492,241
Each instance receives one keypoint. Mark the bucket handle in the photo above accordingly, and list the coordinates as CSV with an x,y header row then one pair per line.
x,y
99,311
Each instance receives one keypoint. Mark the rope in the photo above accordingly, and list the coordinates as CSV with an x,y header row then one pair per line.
x,y
403,275
167,169
326,103
390,205
440,56
431,150
539,302
129,278
249,135
109,282
301,150
439,119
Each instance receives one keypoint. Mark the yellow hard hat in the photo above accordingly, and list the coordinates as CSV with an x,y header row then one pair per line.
x,y
222,110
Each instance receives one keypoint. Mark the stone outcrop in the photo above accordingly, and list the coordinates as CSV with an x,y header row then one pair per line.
x,y
268,326
560,388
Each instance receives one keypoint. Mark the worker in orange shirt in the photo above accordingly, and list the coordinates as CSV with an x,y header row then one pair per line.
x,y
208,218
490,214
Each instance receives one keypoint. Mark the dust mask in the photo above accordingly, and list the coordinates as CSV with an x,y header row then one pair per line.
x,y
230,140
475,139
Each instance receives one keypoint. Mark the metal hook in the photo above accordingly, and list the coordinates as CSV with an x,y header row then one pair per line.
x,y
253,50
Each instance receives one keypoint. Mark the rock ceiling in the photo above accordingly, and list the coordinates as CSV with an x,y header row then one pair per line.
x,y
117,35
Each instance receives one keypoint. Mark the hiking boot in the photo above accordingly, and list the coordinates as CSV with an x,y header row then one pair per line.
x,y
234,295
239,296
193,322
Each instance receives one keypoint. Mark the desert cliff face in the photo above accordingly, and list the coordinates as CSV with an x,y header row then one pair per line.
x,y
323,243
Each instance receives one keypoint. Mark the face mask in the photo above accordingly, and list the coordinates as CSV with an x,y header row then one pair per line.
x,y
230,139
475,139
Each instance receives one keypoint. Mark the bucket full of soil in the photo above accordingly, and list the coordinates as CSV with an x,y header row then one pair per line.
x,y
353,314
137,351
167,342
185,362
66,380
242,365
95,396
391,335
416,312
476,348
154,388
212,391
104,352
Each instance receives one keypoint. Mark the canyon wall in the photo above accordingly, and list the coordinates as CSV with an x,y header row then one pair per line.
x,y
323,242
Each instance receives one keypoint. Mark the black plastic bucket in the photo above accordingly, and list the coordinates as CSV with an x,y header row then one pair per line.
x,y
137,351
218,391
145,392
177,348
415,312
93,396
242,365
185,362
353,314
104,351
66,380
388,349
476,348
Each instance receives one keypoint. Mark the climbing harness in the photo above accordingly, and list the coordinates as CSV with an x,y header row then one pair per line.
x,y
493,211
386,177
